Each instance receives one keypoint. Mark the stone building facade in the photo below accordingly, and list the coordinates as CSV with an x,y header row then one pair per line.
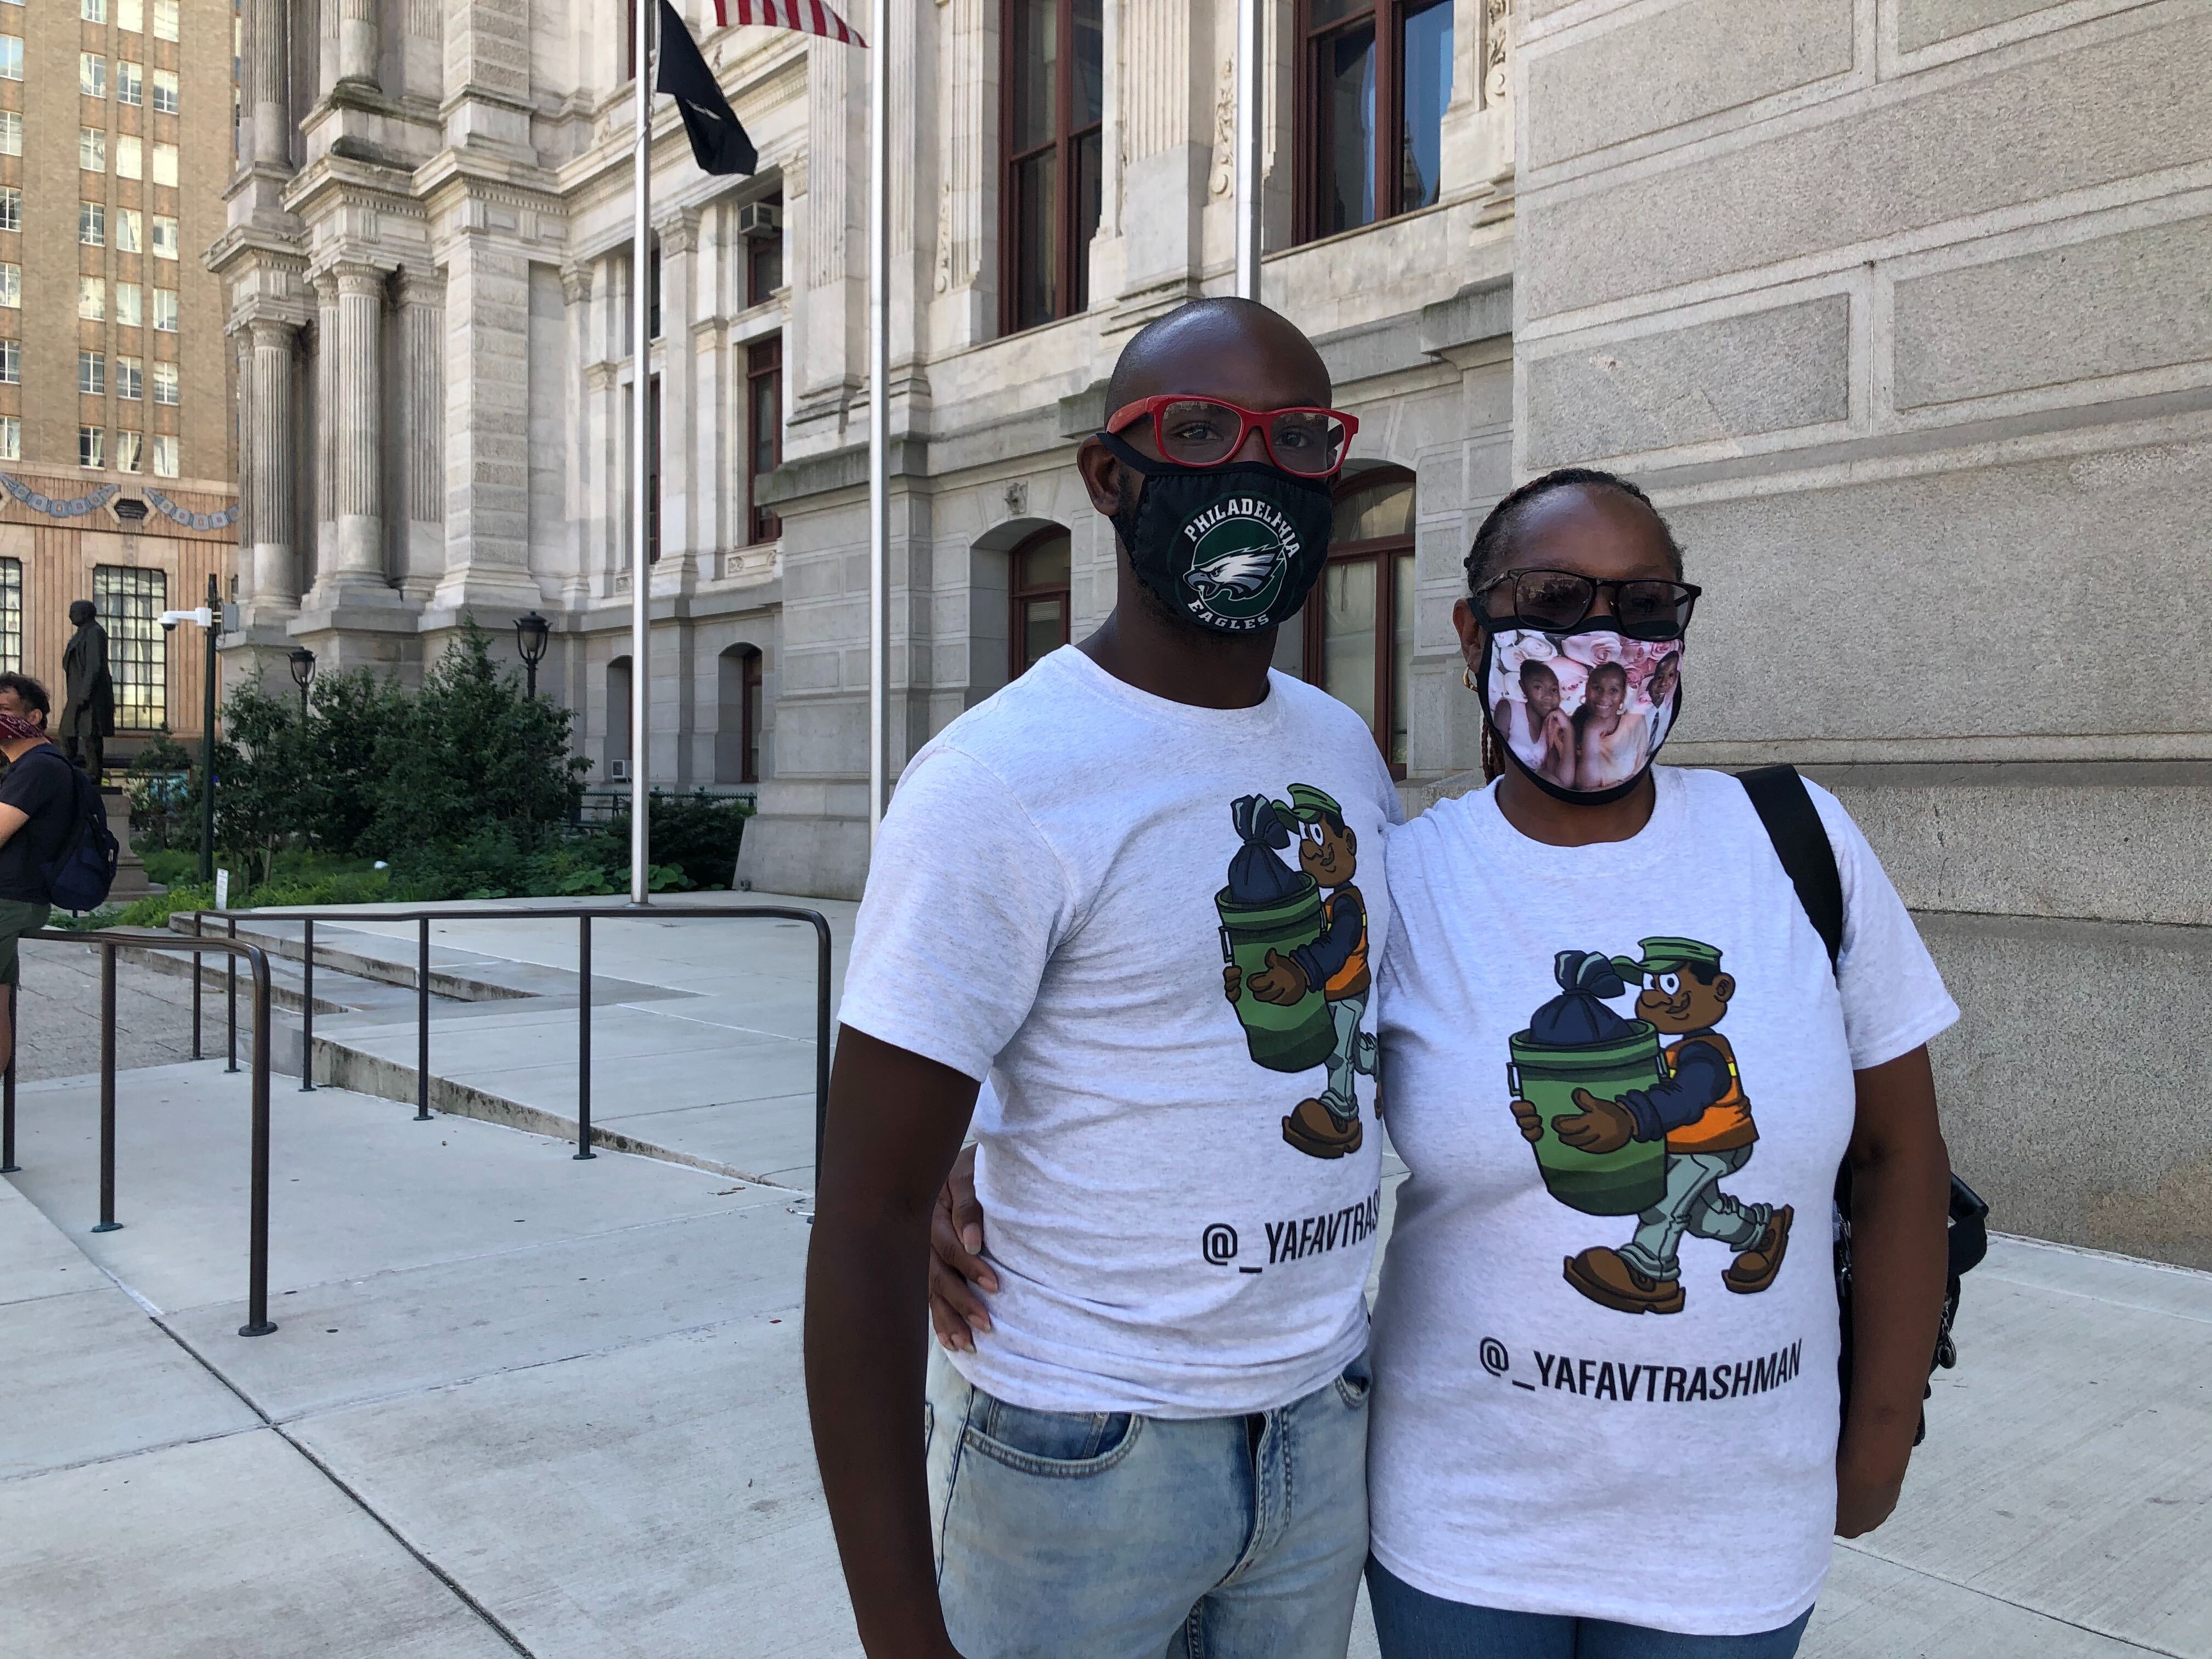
x,y
1896,305
116,443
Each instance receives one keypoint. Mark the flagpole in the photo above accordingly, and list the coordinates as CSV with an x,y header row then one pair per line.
x,y
1250,49
641,564
879,414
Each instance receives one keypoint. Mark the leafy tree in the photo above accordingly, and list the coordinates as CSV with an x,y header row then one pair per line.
x,y
264,773
471,750
349,717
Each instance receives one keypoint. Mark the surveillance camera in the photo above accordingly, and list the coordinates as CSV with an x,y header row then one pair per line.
x,y
168,627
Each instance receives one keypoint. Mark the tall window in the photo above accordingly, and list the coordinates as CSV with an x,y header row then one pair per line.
x,y
92,150
130,305
11,362
1359,622
11,209
164,20
131,602
1375,77
764,259
737,724
129,231
11,285
165,310
92,373
165,460
165,237
165,91
653,471
130,450
11,56
1051,107
764,406
11,132
130,82
165,383
11,438
617,742
91,74
130,379
92,299
129,157
1039,623
92,223
165,164
11,615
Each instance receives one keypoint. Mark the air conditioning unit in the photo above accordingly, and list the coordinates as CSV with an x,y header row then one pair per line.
x,y
618,770
759,219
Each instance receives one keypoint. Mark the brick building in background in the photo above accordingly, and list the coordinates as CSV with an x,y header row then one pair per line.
x,y
117,452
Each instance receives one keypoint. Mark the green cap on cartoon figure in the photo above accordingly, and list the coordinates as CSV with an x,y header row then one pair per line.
x,y
1312,805
1667,956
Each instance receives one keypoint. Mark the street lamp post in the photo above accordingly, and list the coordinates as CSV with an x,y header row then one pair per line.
x,y
531,632
211,618
303,670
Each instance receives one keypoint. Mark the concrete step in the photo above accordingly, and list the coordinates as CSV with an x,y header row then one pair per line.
x,y
336,992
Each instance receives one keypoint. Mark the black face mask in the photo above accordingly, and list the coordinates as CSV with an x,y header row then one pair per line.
x,y
1234,549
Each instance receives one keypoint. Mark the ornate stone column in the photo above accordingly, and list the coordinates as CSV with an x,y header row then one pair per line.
x,y
326,425
267,63
272,459
357,490
423,405
680,507
359,44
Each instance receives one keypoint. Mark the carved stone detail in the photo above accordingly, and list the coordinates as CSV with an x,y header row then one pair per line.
x,y
1224,129
1496,48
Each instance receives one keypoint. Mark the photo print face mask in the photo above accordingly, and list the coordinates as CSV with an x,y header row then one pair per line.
x,y
1235,549
1583,714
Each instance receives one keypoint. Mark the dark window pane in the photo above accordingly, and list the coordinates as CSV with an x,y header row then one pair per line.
x,y
1046,565
1090,65
1386,509
1087,154
1402,656
1043,627
1348,107
1036,241
1428,74
1347,638
767,268
1036,71
1326,12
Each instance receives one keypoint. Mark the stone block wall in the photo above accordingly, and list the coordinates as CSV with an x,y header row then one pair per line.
x,y
1899,308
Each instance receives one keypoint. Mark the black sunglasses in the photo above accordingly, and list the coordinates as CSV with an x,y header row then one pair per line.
x,y
1558,601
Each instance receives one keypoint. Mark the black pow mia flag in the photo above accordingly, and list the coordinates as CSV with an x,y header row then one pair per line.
x,y
717,142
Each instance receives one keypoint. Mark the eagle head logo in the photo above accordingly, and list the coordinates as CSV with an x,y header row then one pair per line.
x,y
1237,574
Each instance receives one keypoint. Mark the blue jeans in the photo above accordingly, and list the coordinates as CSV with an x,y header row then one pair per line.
x,y
1411,1624
1104,1535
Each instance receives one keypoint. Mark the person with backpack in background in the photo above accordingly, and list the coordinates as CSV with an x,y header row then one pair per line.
x,y
1608,1419
38,813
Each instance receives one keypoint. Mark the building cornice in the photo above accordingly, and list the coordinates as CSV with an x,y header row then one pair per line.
x,y
454,175
341,178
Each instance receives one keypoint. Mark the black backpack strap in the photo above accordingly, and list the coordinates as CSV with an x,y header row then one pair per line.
x,y
1801,841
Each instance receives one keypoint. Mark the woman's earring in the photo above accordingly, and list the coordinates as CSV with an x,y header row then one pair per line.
x,y
1466,677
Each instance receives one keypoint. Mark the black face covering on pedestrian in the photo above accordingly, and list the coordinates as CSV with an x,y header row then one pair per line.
x,y
1234,549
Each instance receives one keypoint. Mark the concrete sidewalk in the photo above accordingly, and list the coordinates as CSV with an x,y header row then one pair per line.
x,y
521,1403
703,1028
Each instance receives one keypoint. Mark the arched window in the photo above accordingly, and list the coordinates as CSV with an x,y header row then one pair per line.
x,y
1359,622
739,710
1039,576
617,739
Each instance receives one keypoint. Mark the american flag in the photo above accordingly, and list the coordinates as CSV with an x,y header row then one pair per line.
x,y
807,16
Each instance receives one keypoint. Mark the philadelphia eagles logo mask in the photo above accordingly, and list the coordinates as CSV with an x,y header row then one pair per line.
x,y
1235,549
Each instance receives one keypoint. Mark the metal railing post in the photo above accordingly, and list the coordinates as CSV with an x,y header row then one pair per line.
x,y
7,1164
109,1224
199,930
258,1322
422,1023
821,1039
584,1039
307,1013
230,1003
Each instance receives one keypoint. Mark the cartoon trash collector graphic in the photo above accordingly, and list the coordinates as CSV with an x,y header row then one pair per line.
x,y
1296,945
1646,1117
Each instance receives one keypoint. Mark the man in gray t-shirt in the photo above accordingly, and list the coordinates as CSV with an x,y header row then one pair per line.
x,y
1122,890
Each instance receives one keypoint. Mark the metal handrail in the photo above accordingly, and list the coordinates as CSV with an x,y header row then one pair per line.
x,y
583,917
258,1322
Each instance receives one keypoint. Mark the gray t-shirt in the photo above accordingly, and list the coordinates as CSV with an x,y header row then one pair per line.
x,y
1059,884
1552,1434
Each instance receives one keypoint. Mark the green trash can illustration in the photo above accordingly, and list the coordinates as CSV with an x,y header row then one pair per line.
x,y
1630,1179
1283,1037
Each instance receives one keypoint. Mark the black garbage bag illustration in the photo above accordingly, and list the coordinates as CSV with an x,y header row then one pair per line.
x,y
1574,1042
1270,905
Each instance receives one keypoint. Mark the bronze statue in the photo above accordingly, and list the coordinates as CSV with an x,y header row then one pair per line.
x,y
88,692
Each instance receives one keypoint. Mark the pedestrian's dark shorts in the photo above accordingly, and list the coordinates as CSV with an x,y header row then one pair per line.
x,y
17,918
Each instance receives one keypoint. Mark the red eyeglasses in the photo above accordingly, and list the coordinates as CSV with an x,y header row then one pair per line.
x,y
1201,432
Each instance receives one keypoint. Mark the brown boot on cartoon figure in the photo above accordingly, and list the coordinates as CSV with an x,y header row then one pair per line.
x,y
1314,1132
1754,1270
1600,1274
